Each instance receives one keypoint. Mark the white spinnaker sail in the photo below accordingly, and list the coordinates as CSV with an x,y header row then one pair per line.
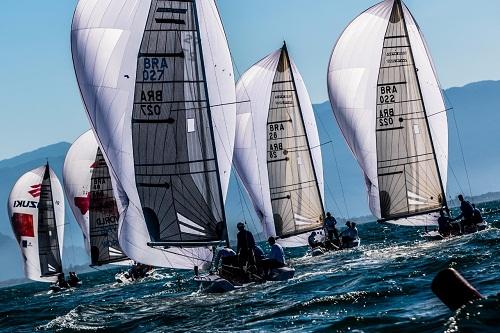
x,y
352,82
76,178
23,208
254,92
107,36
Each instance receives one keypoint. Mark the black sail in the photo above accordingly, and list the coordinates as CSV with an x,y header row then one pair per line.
x,y
103,216
174,152
295,197
48,242
408,173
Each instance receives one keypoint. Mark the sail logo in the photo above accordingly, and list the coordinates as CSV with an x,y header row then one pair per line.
x,y
83,203
101,163
36,190
25,204
23,225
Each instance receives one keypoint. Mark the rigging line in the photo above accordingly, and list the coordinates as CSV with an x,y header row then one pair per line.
x,y
253,127
445,110
330,141
230,157
460,145
340,180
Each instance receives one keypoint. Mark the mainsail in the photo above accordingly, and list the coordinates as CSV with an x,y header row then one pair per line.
x,y
388,103
36,211
157,81
89,190
277,149
48,241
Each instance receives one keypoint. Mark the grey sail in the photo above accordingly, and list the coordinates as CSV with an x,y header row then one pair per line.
x,y
48,243
296,201
103,216
408,174
173,142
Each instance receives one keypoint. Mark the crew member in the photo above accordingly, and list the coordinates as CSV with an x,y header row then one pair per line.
x,y
226,254
349,234
476,215
275,258
245,246
61,281
73,279
330,226
444,223
313,243
467,211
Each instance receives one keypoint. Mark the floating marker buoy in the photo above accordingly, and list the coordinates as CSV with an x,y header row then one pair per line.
x,y
453,290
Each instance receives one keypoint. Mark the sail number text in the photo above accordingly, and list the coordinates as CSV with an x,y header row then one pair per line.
x,y
387,95
154,68
148,100
273,134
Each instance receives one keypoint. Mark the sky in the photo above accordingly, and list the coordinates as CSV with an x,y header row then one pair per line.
x,y
39,99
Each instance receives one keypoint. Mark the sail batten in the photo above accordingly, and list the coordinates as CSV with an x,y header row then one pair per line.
x,y
403,135
48,242
384,105
89,189
183,158
36,212
166,124
278,167
289,162
103,216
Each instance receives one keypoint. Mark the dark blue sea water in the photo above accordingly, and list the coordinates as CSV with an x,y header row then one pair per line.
x,y
383,286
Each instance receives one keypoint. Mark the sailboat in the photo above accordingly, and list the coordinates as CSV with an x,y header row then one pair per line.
x,y
389,105
36,212
277,149
157,81
88,187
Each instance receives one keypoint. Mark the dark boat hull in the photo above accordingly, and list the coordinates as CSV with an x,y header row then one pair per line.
x,y
224,282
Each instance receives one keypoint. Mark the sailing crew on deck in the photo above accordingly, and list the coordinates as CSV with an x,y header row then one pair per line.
x,y
313,242
330,226
444,223
245,247
467,212
73,279
227,255
275,258
61,281
476,215
350,234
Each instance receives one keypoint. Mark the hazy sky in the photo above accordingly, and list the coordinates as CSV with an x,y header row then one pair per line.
x,y
41,105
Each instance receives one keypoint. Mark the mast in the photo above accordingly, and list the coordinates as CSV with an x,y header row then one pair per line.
x,y
443,192
211,127
304,125
405,147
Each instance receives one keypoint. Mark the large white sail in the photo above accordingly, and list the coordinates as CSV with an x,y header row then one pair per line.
x,y
388,103
87,184
36,212
157,81
277,149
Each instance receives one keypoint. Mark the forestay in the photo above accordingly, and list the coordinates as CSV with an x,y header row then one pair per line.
x,y
36,212
277,149
88,187
157,81
388,103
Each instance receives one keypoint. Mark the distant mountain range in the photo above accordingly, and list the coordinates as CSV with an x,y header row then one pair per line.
x,y
476,108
